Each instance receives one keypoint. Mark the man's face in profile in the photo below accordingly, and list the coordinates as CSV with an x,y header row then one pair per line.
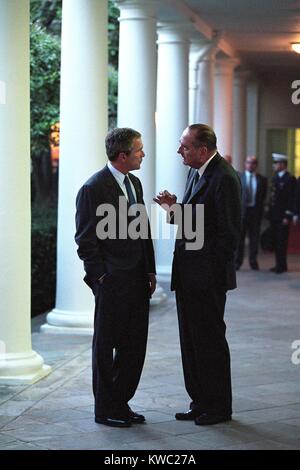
x,y
193,156
135,156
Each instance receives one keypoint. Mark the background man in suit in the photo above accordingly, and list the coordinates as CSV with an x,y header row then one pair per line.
x,y
254,191
202,277
121,275
281,210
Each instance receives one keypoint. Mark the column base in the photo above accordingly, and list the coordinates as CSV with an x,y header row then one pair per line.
x,y
22,368
66,330
66,322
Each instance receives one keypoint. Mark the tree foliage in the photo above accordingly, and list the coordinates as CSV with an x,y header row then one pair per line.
x,y
113,34
113,57
45,68
47,14
44,86
45,36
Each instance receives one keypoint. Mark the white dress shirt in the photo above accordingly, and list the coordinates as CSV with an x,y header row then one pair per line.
x,y
119,177
202,169
254,186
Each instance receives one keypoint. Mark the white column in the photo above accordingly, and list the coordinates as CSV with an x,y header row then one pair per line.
x,y
137,90
193,80
83,115
201,93
239,119
223,104
252,116
204,109
172,119
18,362
137,81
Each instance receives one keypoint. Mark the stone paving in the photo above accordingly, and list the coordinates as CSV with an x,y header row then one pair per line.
x,y
263,320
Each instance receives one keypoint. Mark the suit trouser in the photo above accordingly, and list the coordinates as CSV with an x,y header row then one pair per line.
x,y
204,349
251,226
119,342
281,238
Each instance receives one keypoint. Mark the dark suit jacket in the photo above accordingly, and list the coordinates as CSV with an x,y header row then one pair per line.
x,y
122,256
212,266
297,198
260,196
282,197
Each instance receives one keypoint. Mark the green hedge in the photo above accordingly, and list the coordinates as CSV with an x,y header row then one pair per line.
x,y
43,260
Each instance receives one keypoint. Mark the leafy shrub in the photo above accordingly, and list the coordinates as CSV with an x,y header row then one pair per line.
x,y
43,260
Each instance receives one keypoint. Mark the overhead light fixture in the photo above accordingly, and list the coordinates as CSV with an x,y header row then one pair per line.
x,y
296,47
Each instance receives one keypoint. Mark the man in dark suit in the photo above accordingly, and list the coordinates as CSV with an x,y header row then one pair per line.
x,y
254,191
202,276
281,210
121,272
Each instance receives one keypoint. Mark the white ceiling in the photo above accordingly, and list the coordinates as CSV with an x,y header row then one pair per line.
x,y
259,31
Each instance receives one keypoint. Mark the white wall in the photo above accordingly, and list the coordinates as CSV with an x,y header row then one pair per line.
x,y
276,110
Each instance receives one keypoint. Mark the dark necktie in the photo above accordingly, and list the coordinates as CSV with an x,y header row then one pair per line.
x,y
191,187
196,179
131,198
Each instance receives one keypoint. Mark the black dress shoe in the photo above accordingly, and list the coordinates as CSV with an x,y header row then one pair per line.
x,y
114,421
189,415
135,417
212,418
278,270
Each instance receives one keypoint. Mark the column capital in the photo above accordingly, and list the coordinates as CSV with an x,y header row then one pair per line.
x,y
203,52
173,33
136,9
226,65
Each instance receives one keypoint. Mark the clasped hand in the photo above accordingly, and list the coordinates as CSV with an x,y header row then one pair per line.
x,y
165,199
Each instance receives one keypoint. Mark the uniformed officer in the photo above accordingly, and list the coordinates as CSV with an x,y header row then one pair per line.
x,y
297,203
281,210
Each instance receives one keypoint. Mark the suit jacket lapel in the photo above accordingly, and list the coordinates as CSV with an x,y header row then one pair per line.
x,y
243,180
112,187
202,181
258,188
204,178
139,197
188,187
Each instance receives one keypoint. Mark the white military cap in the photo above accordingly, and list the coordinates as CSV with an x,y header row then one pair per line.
x,y
279,157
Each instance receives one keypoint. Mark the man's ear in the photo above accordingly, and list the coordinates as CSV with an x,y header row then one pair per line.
x,y
122,157
204,150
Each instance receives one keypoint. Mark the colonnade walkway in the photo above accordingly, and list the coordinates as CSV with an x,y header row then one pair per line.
x,y
263,320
